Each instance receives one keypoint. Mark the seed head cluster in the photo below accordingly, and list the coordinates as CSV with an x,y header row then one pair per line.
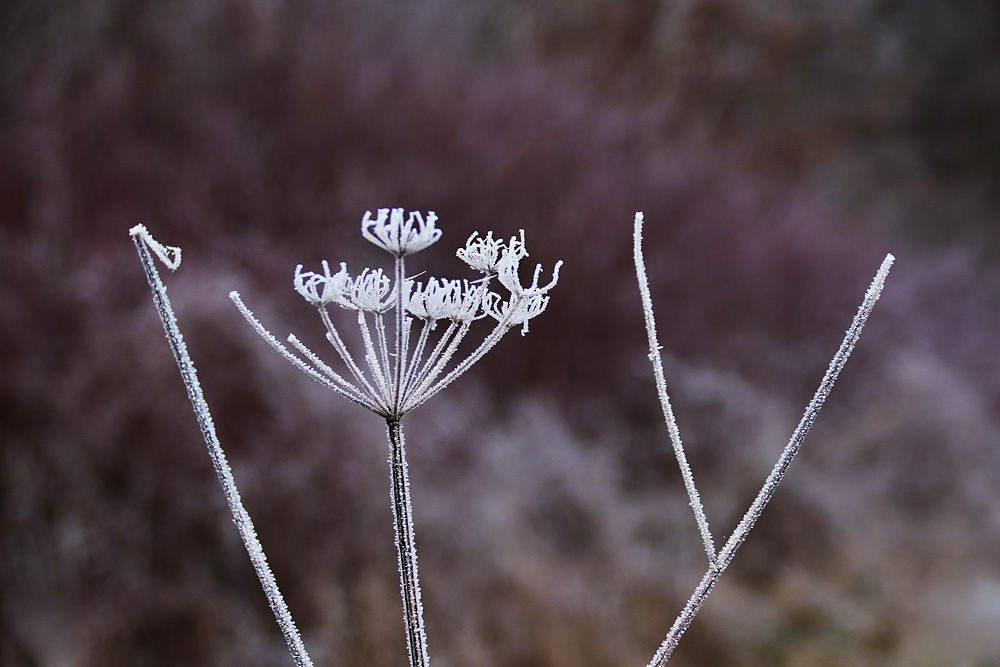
x,y
406,352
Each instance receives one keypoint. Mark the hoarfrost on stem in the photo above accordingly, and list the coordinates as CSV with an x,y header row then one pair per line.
x,y
171,257
719,560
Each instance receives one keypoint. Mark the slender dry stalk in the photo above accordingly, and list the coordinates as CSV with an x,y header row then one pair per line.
x,y
171,257
406,546
719,561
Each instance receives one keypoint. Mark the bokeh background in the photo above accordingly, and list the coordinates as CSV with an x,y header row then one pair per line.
x,y
778,149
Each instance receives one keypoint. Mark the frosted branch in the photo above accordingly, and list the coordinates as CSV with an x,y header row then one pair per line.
x,y
661,389
406,547
349,391
144,242
721,561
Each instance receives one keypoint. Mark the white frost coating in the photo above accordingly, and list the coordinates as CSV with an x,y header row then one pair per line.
x,y
169,255
389,232
144,242
720,561
343,387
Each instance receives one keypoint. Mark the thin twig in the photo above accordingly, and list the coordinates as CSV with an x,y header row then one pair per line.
x,y
349,391
725,556
371,358
143,243
661,388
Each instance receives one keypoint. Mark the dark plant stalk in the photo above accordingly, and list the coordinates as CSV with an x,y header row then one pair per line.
x,y
406,548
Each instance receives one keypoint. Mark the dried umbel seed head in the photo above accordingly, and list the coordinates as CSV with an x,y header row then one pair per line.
x,y
369,292
525,302
482,254
321,289
391,233
396,315
455,300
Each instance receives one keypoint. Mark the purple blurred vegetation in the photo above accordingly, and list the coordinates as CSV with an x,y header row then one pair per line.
x,y
778,150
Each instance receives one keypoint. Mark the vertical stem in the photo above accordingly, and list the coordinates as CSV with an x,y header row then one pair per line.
x,y
406,548
396,401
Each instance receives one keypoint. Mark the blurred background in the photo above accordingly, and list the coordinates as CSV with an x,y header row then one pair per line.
x,y
778,149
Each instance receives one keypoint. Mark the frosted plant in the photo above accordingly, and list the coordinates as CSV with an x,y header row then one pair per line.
x,y
400,371
719,560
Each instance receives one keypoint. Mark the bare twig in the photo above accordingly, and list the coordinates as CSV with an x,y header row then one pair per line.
x,y
144,242
718,562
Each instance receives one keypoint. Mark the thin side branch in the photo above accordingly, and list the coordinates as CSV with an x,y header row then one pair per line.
x,y
400,313
371,357
348,390
727,553
144,242
809,416
661,388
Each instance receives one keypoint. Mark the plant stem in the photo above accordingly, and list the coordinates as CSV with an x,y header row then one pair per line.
x,y
661,388
691,610
726,554
396,400
406,547
143,242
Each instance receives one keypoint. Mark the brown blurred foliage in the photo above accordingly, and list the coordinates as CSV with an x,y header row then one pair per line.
x,y
778,150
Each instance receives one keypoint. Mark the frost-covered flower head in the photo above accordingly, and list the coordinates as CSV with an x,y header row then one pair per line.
x,y
370,292
483,254
323,288
455,300
525,303
389,232
396,315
